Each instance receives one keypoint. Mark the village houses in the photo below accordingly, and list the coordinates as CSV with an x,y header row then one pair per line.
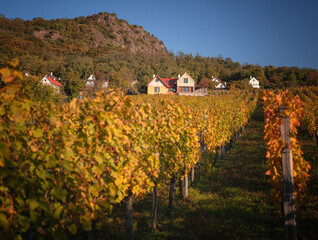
x,y
182,84
91,80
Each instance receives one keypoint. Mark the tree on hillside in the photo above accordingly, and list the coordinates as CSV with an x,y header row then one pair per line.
x,y
241,84
73,87
312,79
122,79
207,83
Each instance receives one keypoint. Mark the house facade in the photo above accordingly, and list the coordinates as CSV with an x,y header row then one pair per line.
x,y
159,85
254,82
185,83
221,86
52,81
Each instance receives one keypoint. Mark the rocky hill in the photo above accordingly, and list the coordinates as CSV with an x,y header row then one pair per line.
x,y
84,36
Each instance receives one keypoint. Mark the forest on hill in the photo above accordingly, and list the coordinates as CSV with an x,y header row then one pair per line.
x,y
112,48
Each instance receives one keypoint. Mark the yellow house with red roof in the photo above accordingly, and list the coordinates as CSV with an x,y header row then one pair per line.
x,y
159,85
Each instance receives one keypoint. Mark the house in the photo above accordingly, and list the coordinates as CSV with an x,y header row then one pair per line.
x,y
51,80
220,85
105,84
133,88
159,85
216,79
254,82
90,81
25,73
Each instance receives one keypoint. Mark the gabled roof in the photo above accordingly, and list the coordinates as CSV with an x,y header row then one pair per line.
x,y
26,73
91,76
220,83
214,77
253,79
168,82
53,80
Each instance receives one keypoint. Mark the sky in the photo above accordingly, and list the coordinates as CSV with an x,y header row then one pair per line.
x,y
264,32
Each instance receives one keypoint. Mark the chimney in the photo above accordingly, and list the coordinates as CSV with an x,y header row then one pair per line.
x,y
51,73
179,76
154,76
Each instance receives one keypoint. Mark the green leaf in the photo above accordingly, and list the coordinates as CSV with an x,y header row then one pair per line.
x,y
68,153
18,237
2,111
59,193
37,133
33,204
17,145
86,223
96,170
72,229
4,221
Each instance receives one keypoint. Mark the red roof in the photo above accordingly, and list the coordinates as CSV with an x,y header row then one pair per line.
x,y
91,79
26,72
53,80
217,79
168,82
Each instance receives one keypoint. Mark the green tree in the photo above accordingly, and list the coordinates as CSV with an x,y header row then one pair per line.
x,y
122,79
73,87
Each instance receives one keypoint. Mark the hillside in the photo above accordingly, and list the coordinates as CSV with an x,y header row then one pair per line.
x,y
112,48
84,36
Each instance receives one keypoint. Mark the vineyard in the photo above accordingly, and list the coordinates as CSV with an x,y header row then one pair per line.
x,y
67,169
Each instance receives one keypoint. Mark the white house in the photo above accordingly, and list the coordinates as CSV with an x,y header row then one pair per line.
x,y
254,82
90,81
51,80
26,73
105,84
219,84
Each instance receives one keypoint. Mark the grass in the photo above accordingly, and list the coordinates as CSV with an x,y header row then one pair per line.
x,y
231,201
307,214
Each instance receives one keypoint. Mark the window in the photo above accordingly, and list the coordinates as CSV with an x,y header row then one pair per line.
x,y
187,89
185,80
157,89
183,89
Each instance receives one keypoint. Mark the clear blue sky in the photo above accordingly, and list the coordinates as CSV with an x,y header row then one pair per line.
x,y
264,32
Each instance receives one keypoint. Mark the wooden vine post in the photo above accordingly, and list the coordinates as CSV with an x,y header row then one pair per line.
x,y
128,216
155,206
192,174
288,180
186,185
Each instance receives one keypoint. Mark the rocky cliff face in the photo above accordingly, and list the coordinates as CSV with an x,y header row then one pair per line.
x,y
123,35
91,35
